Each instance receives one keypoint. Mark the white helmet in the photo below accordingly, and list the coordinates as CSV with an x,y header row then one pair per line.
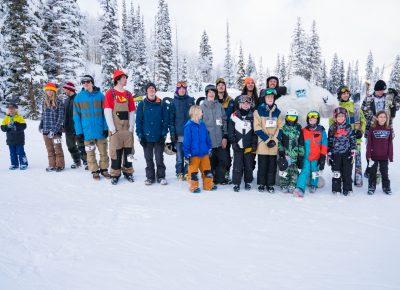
x,y
292,112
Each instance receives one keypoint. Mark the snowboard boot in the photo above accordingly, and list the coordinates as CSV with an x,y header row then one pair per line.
x,y
50,169
179,176
59,169
214,188
76,165
285,189
13,167
336,192
23,167
261,188
114,180
371,190
347,192
236,188
270,189
148,182
196,190
247,186
291,189
96,175
313,189
86,165
162,181
387,191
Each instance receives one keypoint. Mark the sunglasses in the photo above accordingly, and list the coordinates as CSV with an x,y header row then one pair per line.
x,y
313,115
85,82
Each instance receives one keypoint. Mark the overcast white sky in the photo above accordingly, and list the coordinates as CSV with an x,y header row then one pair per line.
x,y
350,28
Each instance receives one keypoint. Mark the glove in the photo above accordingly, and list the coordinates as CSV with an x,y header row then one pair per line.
x,y
187,161
393,91
105,133
300,163
50,135
330,159
281,154
358,134
235,147
142,142
271,144
162,141
352,156
321,162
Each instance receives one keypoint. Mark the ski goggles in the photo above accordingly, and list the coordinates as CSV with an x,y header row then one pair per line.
x,y
291,118
344,90
181,84
245,99
339,110
313,115
270,92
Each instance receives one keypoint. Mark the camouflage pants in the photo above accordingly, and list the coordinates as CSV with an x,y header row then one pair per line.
x,y
291,178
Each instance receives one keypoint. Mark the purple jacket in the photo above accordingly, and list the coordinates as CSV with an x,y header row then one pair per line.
x,y
380,143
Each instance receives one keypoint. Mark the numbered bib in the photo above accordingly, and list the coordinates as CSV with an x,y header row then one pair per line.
x,y
270,123
246,125
218,122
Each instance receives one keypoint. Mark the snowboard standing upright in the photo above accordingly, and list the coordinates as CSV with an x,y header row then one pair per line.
x,y
358,177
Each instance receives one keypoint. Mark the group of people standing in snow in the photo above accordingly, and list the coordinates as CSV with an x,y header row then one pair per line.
x,y
206,135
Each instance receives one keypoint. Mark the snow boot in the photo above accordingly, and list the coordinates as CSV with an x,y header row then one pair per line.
x,y
96,175
162,181
148,182
371,190
76,165
236,188
50,169
285,189
313,189
23,167
247,186
214,188
298,193
271,189
336,192
291,189
388,191
114,180
261,188
129,177
59,169
13,167
105,173
347,192
179,176
196,190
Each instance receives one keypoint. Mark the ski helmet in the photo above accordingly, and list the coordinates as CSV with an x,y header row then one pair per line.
x,y
342,89
283,164
211,88
340,110
292,116
313,114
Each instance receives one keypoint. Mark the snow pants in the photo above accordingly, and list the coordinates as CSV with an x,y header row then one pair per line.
x,y
290,179
384,168
243,164
17,155
154,150
76,148
55,152
202,164
309,166
101,145
120,146
341,169
267,165
219,163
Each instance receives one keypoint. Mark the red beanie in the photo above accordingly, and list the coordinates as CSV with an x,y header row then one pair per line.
x,y
247,80
50,87
69,86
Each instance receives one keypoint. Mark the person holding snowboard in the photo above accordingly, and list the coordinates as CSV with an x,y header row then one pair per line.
x,y
341,151
291,152
315,150
380,151
244,143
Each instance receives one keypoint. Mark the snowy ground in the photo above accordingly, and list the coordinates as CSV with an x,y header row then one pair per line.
x,y
66,231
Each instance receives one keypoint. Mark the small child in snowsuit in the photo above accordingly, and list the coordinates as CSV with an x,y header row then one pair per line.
x,y
291,152
14,125
267,125
315,149
380,150
341,151
244,143
196,149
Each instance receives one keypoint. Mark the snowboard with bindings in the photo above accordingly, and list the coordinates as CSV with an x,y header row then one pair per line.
x,y
358,177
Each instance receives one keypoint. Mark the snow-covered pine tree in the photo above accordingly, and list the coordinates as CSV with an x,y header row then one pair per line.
x,y
394,81
139,69
283,76
205,58
355,79
110,42
240,71
334,80
228,63
342,73
260,75
376,75
299,56
314,54
369,68
3,70
349,73
22,40
324,76
278,66
163,47
251,69
125,43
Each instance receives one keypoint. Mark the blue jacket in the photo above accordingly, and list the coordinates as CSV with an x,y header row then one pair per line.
x,y
196,141
151,120
88,115
179,113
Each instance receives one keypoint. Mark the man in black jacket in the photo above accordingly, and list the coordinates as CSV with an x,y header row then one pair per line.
x,y
75,145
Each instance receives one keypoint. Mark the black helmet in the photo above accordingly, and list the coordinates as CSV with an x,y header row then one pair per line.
x,y
212,88
342,89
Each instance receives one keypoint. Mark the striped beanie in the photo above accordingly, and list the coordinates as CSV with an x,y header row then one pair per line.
x,y
50,87
69,86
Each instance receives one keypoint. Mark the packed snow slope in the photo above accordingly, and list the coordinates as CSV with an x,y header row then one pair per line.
x,y
66,231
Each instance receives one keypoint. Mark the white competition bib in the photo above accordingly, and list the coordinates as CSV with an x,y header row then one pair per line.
x,y
218,122
246,125
270,123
